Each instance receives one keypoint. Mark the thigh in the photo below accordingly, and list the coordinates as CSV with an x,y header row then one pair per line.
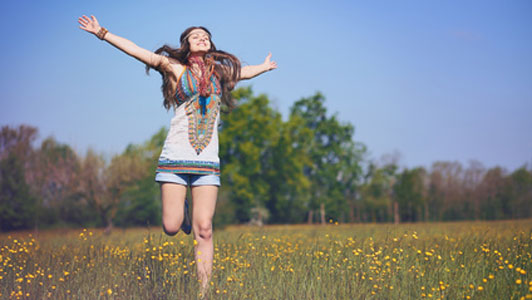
x,y
204,201
197,180
173,198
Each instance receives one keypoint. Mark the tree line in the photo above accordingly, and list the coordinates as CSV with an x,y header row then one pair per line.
x,y
308,168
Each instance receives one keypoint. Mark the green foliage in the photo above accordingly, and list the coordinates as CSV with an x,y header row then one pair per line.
x,y
225,209
289,188
376,193
140,202
334,157
247,140
56,178
519,193
17,205
286,167
409,193
307,167
494,188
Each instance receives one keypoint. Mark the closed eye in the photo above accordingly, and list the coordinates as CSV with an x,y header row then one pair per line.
x,y
198,36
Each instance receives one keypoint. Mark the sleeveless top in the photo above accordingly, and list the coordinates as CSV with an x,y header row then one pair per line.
x,y
191,146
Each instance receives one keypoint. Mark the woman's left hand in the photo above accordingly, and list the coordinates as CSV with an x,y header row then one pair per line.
x,y
270,65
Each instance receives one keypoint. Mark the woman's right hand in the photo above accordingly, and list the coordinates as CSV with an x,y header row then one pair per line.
x,y
147,57
89,24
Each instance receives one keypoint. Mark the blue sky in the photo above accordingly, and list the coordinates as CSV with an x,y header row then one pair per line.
x,y
431,80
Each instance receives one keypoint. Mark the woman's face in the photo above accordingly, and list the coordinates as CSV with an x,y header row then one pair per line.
x,y
199,41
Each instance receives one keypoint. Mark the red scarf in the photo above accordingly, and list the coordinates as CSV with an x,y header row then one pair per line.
x,y
204,82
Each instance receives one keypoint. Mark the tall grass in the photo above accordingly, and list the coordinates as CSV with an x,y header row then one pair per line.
x,y
466,260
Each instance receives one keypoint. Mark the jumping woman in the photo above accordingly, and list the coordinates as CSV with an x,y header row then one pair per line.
x,y
197,79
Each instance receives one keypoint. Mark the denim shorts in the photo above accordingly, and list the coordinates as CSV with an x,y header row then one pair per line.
x,y
188,179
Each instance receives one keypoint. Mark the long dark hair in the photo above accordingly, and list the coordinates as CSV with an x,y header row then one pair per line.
x,y
226,68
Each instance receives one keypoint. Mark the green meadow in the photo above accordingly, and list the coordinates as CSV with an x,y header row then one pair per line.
x,y
461,260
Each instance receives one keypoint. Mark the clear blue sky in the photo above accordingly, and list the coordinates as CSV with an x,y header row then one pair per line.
x,y
433,80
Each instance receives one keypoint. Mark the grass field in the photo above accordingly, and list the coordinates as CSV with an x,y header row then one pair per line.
x,y
465,260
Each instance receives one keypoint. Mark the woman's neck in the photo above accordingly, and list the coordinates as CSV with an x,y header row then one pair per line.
x,y
196,56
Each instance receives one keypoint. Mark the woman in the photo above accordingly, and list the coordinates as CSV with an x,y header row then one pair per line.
x,y
197,79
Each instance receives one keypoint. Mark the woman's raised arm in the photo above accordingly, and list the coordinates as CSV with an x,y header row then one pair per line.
x,y
151,59
248,72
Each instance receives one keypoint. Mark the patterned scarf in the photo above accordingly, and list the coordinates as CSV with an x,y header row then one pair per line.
x,y
205,87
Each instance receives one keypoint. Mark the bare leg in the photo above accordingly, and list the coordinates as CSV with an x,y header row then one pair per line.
x,y
173,199
204,198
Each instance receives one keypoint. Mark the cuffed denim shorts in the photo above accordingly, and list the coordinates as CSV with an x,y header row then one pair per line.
x,y
188,179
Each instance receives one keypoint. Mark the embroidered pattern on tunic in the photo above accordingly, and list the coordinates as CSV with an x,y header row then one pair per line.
x,y
193,128
201,111
201,115
189,166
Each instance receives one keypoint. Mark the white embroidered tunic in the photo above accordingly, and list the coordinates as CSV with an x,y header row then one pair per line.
x,y
191,146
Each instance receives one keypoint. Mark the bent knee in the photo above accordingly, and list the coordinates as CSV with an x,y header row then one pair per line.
x,y
205,230
170,229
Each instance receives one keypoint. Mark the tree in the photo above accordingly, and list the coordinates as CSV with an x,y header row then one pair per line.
x,y
140,202
351,176
446,192
327,151
520,193
491,190
376,192
123,172
409,192
472,180
247,138
93,187
19,141
17,203
289,188
55,177
124,191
